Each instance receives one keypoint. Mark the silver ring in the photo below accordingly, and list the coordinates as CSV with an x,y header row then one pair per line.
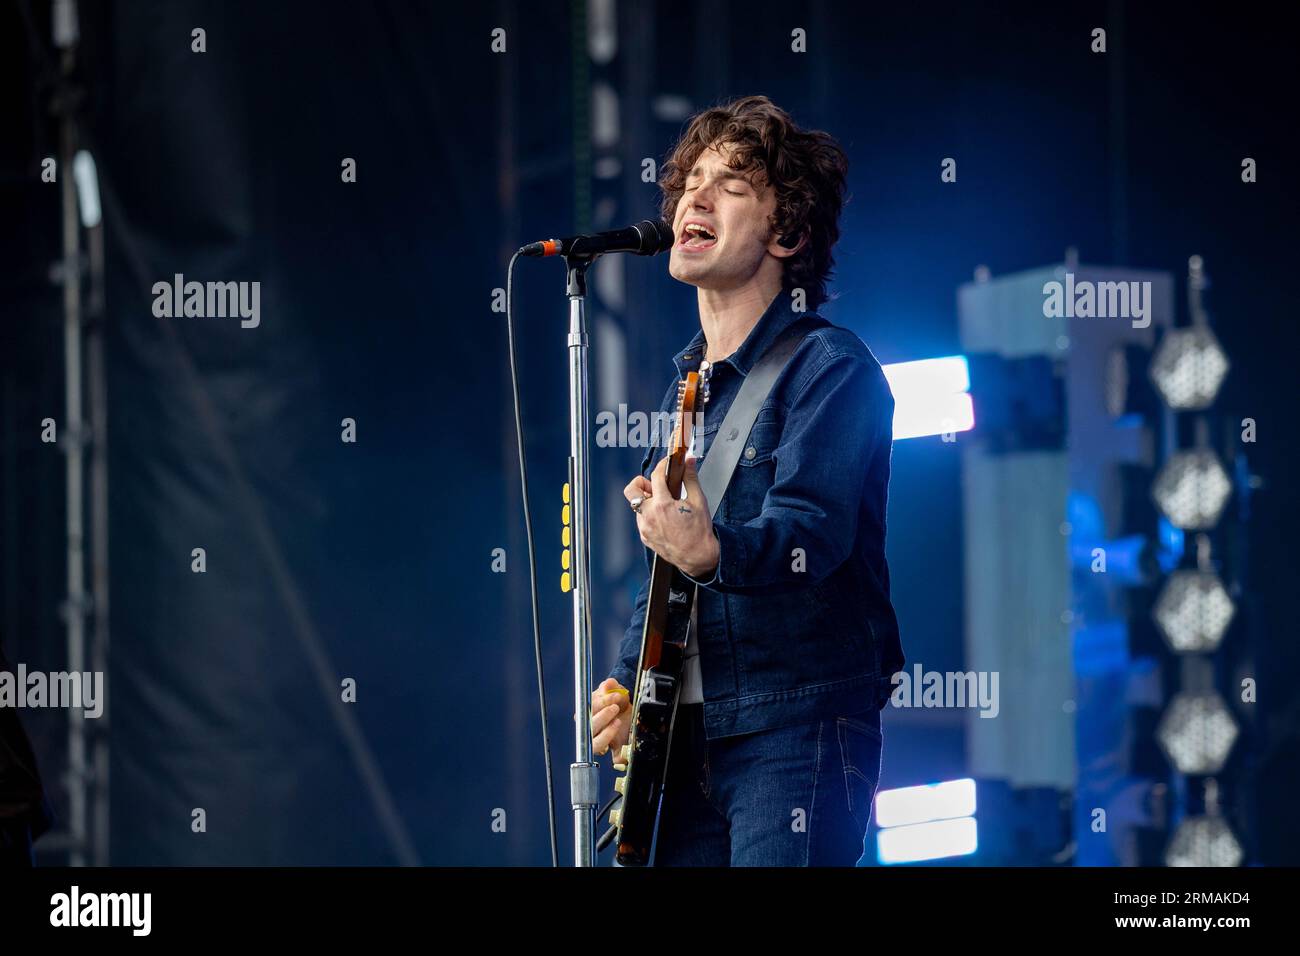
x,y
637,502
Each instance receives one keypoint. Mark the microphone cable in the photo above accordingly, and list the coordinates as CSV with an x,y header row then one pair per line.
x,y
532,560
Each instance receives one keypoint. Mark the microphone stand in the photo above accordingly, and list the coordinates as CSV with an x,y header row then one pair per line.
x,y
645,238
583,772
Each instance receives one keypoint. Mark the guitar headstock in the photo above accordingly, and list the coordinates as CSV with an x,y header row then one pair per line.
x,y
692,394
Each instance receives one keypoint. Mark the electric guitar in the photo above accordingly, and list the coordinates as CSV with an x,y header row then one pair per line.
x,y
659,672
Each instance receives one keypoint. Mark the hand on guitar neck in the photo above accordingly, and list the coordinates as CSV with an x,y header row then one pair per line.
x,y
611,718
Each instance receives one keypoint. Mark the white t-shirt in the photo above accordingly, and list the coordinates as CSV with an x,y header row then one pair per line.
x,y
692,684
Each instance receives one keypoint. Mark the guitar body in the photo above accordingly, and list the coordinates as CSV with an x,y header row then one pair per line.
x,y
658,689
659,673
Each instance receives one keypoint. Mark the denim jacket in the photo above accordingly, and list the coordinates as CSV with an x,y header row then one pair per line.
x,y
795,622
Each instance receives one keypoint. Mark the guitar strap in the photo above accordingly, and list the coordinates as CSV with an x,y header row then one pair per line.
x,y
724,453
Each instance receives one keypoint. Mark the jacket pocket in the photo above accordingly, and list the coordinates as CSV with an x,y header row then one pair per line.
x,y
762,441
755,469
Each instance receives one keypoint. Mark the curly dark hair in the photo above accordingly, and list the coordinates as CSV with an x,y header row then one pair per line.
x,y
807,169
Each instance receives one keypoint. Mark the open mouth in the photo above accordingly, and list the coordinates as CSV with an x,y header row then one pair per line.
x,y
697,236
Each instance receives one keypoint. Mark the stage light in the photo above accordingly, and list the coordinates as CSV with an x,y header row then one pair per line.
x,y
1203,841
943,375
87,179
1192,488
1193,611
1197,732
934,801
918,415
930,396
1188,368
934,840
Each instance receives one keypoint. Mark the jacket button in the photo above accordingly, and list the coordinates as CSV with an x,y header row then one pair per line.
x,y
749,452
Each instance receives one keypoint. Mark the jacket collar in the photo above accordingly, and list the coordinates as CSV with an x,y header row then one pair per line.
x,y
776,318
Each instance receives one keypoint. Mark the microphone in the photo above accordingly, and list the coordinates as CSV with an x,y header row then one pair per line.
x,y
647,238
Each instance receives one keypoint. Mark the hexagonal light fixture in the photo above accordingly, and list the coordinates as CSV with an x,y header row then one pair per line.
x,y
1203,841
1191,489
1193,611
1197,732
1188,368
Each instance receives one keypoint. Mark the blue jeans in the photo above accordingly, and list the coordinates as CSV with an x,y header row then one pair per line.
x,y
792,796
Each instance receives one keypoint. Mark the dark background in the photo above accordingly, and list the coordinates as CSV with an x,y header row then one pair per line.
x,y
373,560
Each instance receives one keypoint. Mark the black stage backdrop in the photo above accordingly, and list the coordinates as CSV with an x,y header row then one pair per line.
x,y
326,560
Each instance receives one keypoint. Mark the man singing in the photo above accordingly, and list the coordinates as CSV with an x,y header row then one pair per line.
x,y
777,743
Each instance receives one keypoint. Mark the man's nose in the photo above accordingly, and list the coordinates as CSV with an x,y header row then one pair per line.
x,y
703,196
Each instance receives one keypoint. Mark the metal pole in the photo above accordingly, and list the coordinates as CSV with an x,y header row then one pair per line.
x,y
97,385
583,775
75,606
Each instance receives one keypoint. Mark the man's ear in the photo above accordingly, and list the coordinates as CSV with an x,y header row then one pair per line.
x,y
788,245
